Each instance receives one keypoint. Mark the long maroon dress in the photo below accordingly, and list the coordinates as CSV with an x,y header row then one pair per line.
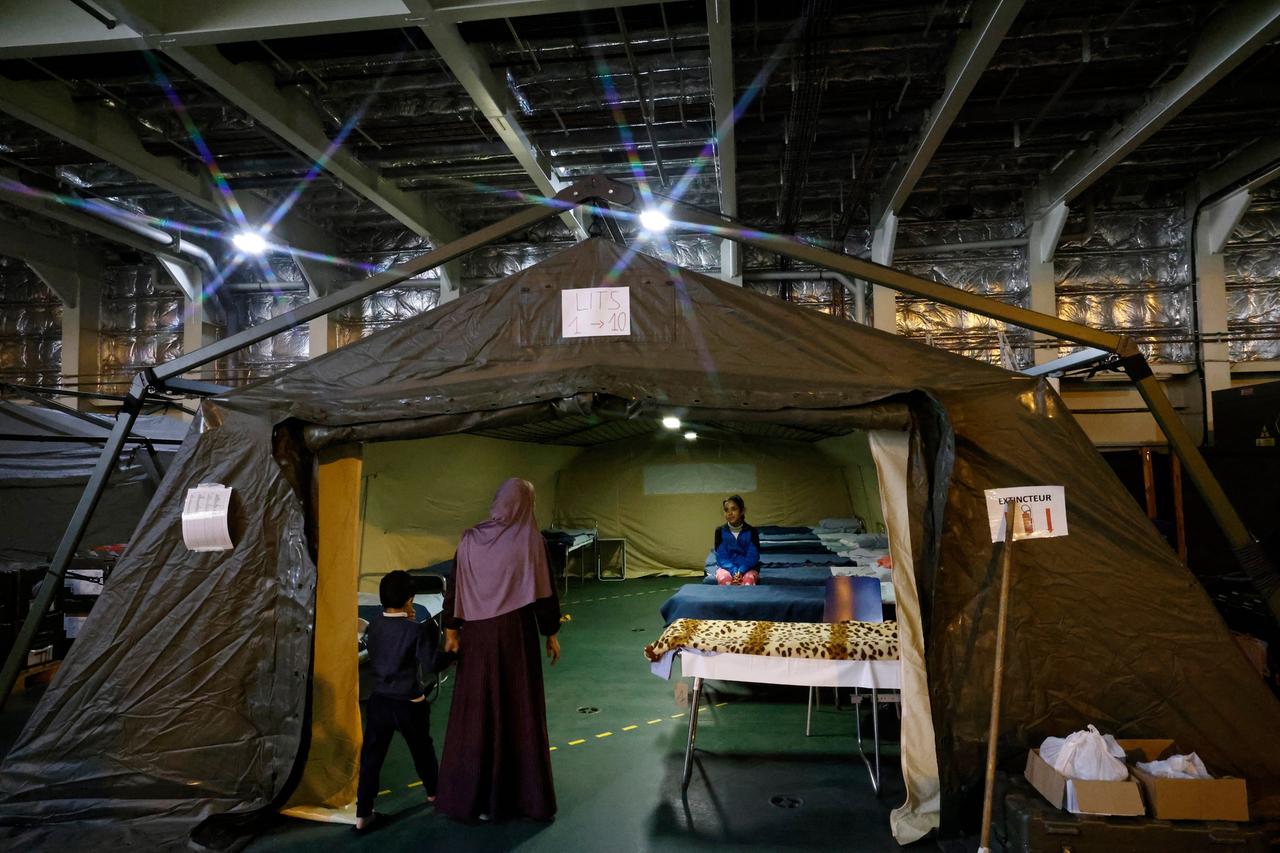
x,y
497,760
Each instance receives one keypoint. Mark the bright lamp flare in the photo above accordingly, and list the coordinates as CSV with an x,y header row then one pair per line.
x,y
654,221
671,422
690,436
250,242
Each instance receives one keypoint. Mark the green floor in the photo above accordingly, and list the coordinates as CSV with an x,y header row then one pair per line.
x,y
617,770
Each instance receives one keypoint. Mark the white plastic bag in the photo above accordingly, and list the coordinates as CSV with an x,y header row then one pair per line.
x,y
1176,767
1087,755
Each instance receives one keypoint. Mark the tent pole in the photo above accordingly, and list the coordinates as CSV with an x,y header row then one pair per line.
x,y
165,376
997,677
1248,551
75,530
580,192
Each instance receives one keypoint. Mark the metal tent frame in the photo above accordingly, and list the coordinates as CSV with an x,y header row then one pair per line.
x,y
600,194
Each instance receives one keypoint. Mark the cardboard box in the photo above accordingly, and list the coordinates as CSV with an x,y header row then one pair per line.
x,y
1169,799
1107,798
1188,799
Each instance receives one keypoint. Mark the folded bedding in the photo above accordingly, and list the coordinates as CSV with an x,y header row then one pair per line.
x,y
773,530
789,537
795,576
813,546
782,560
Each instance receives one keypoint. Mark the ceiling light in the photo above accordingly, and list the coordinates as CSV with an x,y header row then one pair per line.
x,y
690,436
654,220
250,242
671,422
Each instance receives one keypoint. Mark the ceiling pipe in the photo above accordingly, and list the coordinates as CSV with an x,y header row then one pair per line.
x,y
165,242
859,293
975,245
273,287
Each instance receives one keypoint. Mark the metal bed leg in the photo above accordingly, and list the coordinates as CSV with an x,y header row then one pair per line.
x,y
875,729
873,772
808,716
693,734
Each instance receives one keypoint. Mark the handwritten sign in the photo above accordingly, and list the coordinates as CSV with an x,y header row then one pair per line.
x,y
592,312
204,518
1041,511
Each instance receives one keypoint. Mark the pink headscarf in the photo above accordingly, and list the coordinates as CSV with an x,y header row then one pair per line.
x,y
502,562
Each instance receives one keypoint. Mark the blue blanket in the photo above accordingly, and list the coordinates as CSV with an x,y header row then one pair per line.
x,y
794,547
774,603
778,561
795,576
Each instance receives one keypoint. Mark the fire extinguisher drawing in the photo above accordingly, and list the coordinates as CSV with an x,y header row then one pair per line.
x,y
1028,526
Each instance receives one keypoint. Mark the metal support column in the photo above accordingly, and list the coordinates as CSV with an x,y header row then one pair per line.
x,y
884,301
75,530
1213,227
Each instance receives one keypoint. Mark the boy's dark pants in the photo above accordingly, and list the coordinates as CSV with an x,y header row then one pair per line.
x,y
385,716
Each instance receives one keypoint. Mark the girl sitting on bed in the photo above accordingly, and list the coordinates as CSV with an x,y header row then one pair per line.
x,y
737,546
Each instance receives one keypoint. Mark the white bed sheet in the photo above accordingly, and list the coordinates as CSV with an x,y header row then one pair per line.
x,y
766,669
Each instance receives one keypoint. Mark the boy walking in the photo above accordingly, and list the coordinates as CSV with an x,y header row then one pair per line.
x,y
398,644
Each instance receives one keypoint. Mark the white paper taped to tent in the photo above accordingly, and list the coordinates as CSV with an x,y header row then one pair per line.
x,y
592,312
1041,514
204,518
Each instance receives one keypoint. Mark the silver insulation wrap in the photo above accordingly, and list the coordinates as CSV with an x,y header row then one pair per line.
x,y
1252,259
1129,272
141,323
30,327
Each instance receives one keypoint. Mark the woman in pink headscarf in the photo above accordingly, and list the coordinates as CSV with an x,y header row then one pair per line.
x,y
497,762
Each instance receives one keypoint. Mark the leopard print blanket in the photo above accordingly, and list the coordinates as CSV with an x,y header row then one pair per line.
x,y
818,640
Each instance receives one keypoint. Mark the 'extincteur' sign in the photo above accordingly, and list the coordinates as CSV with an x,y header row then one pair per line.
x,y
1041,511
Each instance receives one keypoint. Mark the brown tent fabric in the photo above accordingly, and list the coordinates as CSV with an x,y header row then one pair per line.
x,y
184,697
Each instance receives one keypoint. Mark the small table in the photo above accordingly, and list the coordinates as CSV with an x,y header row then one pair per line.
x,y
619,546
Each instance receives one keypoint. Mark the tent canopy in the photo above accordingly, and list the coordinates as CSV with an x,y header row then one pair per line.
x,y
185,696
46,456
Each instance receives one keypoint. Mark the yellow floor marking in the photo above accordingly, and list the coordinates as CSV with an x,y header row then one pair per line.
x,y
721,704
415,784
554,748
629,728
676,716
651,722
576,742
605,734
382,793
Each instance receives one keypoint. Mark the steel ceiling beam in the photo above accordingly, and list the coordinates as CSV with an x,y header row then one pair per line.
x,y
29,199
36,248
989,22
1251,167
489,10
58,29
109,135
251,87
1234,34
493,99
